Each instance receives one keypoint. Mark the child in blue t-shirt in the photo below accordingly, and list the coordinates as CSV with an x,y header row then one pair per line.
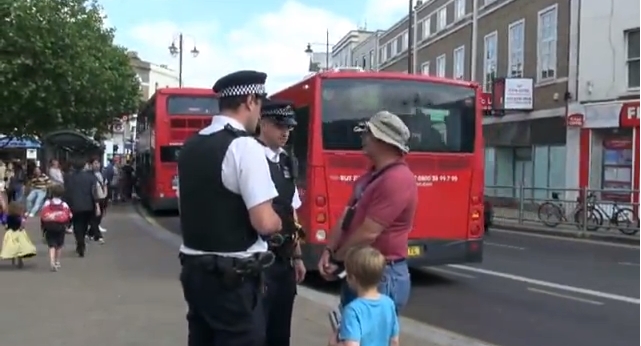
x,y
370,319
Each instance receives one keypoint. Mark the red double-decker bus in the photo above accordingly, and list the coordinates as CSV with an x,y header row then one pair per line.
x,y
444,118
165,122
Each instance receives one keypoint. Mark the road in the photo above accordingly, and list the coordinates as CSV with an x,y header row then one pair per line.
x,y
530,291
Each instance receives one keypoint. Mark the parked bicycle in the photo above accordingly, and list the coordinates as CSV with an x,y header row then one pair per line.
x,y
551,213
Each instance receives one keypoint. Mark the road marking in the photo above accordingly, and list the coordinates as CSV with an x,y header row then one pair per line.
x,y
564,296
555,237
506,246
548,284
451,272
629,264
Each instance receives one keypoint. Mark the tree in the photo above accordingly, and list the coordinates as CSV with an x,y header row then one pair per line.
x,y
60,69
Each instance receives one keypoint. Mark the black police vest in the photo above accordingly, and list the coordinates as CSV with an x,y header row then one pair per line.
x,y
212,217
282,175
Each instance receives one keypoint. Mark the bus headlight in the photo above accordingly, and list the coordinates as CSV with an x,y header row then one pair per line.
x,y
321,235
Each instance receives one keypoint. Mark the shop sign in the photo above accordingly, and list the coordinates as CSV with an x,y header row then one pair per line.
x,y
486,103
629,114
518,94
575,120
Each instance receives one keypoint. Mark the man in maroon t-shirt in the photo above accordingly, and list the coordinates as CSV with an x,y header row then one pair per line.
x,y
381,210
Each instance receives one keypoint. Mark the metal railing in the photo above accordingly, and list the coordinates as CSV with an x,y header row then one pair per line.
x,y
582,210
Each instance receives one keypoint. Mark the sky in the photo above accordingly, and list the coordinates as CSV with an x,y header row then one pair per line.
x,y
265,35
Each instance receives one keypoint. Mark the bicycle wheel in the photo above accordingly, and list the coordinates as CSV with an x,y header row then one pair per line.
x,y
594,218
550,214
626,220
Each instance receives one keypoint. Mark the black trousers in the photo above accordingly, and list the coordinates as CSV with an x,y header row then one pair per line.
x,y
81,221
94,224
219,313
279,302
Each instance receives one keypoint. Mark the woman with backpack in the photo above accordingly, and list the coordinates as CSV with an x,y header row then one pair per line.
x,y
100,194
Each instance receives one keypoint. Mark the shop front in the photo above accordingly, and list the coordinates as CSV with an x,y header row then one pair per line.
x,y
608,148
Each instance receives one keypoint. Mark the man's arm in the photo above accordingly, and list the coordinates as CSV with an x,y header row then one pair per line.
x,y
255,183
387,201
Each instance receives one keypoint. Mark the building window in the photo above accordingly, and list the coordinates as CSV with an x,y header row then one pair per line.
x,y
459,62
632,38
425,68
547,39
406,40
516,47
489,61
441,20
487,2
440,66
459,9
372,63
427,27
398,45
381,55
364,62
389,53
419,31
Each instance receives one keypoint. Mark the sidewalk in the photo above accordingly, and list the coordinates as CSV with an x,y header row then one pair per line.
x,y
125,292
506,218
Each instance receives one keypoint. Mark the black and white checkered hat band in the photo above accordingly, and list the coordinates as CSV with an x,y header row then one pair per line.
x,y
283,112
240,90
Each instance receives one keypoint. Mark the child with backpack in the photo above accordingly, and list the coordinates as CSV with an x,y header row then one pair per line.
x,y
55,219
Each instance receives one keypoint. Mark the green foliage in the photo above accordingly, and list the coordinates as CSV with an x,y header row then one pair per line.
x,y
60,69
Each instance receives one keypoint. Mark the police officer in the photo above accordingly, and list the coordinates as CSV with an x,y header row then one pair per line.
x,y
225,202
288,269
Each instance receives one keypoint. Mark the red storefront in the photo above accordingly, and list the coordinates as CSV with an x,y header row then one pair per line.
x,y
609,148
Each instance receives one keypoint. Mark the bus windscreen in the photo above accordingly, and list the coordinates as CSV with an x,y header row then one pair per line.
x,y
192,105
440,117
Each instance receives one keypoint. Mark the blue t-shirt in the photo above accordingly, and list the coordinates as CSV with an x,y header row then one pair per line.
x,y
372,322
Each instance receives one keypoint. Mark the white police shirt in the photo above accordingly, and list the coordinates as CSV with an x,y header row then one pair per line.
x,y
245,172
274,157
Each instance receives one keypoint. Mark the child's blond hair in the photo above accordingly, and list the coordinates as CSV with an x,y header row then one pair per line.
x,y
365,266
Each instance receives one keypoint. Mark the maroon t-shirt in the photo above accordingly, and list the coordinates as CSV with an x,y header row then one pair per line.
x,y
390,201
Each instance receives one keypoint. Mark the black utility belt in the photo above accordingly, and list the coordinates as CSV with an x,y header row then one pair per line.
x,y
253,265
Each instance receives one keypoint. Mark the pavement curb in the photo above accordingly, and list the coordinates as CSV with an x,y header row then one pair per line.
x,y
430,334
595,236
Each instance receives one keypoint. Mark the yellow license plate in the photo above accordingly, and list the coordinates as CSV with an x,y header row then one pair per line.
x,y
413,251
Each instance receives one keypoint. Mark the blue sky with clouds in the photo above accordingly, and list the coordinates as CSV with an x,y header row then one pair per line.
x,y
267,35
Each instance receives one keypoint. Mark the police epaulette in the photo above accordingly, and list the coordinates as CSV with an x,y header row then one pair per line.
x,y
235,131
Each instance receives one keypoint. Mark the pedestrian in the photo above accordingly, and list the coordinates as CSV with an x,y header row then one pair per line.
x,y
225,203
370,319
17,178
100,194
80,187
277,121
381,209
55,219
55,172
38,184
16,244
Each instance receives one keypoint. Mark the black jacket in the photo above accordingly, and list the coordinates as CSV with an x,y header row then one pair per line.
x,y
79,191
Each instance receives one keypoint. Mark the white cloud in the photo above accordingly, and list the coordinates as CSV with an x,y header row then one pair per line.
x,y
273,42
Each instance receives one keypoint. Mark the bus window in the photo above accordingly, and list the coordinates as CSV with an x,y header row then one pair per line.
x,y
440,117
192,105
169,153
299,140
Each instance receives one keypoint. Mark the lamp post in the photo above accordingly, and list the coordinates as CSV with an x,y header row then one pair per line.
x,y
178,51
309,49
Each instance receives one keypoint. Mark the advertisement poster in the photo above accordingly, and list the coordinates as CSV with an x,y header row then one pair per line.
x,y
617,169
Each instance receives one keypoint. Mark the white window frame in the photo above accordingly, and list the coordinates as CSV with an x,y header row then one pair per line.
x,y
459,9
406,40
427,27
441,65
441,18
372,60
381,54
516,55
489,60
629,60
487,2
425,68
458,63
546,45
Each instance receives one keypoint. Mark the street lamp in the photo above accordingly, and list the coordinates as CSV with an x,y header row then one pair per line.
x,y
178,51
309,50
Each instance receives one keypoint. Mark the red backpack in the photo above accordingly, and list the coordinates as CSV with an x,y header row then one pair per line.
x,y
55,213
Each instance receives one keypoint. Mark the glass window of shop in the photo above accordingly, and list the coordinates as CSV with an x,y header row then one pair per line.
x,y
611,164
540,169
